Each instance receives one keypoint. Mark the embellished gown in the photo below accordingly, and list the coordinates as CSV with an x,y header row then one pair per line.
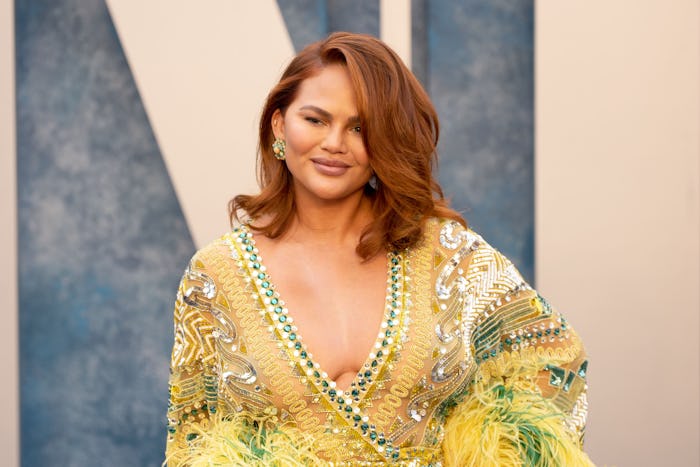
x,y
470,367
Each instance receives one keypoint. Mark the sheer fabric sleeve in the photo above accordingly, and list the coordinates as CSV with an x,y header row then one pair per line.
x,y
211,421
526,404
193,381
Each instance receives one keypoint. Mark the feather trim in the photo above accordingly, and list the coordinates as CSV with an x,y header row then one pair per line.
x,y
245,440
509,423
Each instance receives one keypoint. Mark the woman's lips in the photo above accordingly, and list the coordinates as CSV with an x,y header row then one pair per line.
x,y
330,166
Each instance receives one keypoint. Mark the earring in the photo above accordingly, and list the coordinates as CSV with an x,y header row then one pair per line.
x,y
278,148
373,182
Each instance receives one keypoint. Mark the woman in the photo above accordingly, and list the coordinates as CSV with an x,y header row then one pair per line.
x,y
378,328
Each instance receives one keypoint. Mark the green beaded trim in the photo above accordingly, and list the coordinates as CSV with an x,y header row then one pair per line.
x,y
347,403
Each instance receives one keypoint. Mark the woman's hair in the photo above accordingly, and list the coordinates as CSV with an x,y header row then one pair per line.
x,y
400,132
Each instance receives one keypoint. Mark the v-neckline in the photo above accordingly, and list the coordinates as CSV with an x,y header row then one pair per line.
x,y
281,324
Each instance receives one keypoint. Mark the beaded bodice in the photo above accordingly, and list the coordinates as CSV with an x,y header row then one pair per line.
x,y
455,311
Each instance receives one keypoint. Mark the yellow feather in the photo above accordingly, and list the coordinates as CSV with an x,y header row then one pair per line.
x,y
245,440
507,422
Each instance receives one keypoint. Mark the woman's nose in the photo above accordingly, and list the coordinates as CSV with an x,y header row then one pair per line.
x,y
334,140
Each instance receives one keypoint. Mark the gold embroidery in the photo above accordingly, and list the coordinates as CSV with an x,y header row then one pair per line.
x,y
464,312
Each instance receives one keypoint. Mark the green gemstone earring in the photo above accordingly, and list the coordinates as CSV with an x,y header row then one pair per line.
x,y
278,148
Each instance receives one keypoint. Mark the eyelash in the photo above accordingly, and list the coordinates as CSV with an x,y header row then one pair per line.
x,y
316,121
313,120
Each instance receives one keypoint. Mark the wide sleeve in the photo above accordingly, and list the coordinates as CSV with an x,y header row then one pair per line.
x,y
209,421
193,368
526,403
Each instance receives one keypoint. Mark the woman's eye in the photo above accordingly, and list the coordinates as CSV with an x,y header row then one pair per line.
x,y
313,120
357,129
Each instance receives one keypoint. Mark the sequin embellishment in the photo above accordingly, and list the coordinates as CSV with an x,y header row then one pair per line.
x,y
347,404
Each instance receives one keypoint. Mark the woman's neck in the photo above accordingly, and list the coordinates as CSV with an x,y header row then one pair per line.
x,y
335,223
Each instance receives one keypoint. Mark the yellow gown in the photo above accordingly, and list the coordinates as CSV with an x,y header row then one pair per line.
x,y
470,367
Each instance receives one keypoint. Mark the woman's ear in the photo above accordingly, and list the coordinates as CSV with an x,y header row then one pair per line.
x,y
277,122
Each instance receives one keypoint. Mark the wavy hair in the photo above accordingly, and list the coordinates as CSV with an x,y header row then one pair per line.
x,y
400,132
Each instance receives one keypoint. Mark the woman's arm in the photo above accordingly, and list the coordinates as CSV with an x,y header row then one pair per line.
x,y
526,404
193,381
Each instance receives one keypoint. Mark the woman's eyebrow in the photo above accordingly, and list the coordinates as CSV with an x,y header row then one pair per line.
x,y
325,114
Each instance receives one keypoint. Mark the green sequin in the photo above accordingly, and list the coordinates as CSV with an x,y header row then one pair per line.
x,y
569,380
582,369
556,378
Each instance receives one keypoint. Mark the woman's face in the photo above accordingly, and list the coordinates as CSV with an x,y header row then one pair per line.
x,y
325,152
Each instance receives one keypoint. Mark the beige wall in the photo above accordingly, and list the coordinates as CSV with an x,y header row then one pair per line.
x,y
395,27
203,93
618,217
617,202
9,389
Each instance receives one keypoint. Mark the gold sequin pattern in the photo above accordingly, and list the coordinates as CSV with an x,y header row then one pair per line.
x,y
458,310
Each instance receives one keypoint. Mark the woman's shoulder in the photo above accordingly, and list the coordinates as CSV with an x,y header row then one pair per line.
x,y
215,254
450,234
468,251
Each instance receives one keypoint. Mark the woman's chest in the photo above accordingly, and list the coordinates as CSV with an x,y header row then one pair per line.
x,y
337,307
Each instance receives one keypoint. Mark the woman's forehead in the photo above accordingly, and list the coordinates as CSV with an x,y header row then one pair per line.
x,y
331,83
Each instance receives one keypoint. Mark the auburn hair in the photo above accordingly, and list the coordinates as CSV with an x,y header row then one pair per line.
x,y
400,132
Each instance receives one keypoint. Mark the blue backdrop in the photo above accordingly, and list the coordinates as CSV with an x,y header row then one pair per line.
x,y
102,239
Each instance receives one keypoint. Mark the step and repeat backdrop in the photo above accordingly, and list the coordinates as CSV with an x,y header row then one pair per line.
x,y
136,123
